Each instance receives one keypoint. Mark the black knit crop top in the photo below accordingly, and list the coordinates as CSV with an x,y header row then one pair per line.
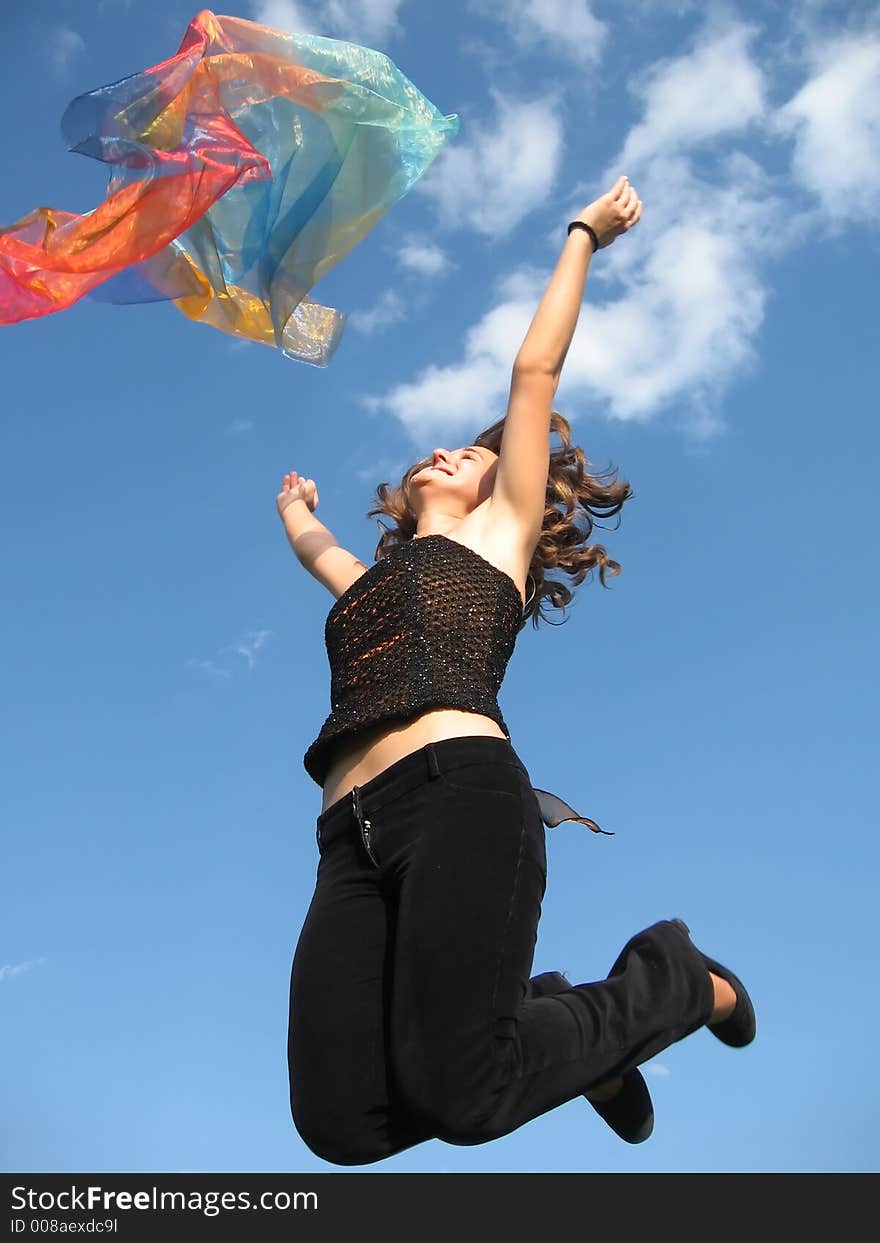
x,y
432,624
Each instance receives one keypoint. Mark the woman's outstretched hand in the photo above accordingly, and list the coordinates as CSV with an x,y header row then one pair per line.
x,y
296,488
613,213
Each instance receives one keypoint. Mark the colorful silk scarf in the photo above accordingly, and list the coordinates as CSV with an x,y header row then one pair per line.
x,y
242,170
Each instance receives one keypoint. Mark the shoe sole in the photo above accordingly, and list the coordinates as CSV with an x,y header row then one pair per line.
x,y
630,1113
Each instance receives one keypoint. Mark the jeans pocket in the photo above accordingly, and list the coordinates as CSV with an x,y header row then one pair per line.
x,y
492,779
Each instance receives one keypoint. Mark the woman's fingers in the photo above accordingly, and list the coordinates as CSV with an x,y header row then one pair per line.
x,y
631,207
626,202
294,480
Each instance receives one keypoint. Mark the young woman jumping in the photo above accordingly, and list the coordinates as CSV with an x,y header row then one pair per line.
x,y
412,1011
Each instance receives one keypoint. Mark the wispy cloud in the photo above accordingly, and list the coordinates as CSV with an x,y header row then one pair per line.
x,y
475,184
64,44
567,29
657,1070
715,90
834,120
9,970
390,309
285,15
246,647
638,10
443,400
426,258
367,22
250,645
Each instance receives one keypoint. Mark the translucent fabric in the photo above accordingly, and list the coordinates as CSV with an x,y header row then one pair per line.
x,y
555,811
242,170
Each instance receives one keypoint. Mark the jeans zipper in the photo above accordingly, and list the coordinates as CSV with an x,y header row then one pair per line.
x,y
364,825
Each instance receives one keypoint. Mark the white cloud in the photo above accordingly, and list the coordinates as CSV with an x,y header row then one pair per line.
x,y
638,9
566,27
657,1070
443,400
834,120
64,44
246,647
474,183
426,258
285,15
717,89
9,970
250,645
389,310
368,22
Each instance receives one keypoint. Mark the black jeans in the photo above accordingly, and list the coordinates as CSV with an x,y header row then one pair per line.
x,y
412,1011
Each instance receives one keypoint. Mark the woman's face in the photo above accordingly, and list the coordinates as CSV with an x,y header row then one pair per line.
x,y
463,478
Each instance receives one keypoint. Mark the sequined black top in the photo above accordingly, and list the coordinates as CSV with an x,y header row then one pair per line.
x,y
430,625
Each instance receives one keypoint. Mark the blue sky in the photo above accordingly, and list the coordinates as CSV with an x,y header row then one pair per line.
x,y
163,660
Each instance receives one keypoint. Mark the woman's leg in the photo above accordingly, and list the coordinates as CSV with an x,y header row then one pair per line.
x,y
340,1097
474,1056
339,1091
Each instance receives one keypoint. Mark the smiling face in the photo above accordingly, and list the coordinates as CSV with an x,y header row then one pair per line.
x,y
452,485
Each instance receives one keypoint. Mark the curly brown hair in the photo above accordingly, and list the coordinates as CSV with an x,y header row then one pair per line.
x,y
574,499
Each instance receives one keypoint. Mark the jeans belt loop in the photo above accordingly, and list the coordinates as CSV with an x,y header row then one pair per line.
x,y
433,766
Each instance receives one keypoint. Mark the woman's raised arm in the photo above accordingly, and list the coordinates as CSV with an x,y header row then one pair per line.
x,y
520,485
551,331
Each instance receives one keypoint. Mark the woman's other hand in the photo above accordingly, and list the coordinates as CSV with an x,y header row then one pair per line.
x,y
297,488
613,213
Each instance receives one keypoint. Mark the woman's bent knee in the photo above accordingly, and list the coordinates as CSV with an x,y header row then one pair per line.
x,y
468,1130
341,1149
340,1142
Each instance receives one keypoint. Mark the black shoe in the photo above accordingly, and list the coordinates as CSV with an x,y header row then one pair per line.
x,y
739,1028
630,1113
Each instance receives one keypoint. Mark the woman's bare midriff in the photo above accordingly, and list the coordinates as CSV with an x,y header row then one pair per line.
x,y
376,749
